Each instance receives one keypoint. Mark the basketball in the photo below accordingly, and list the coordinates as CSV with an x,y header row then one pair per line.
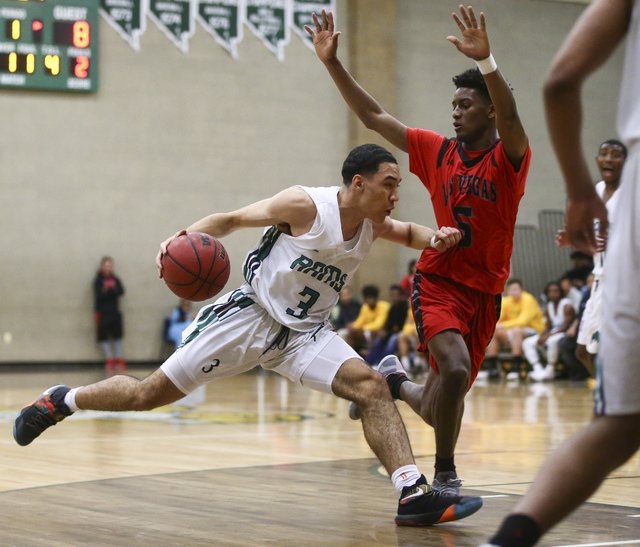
x,y
196,266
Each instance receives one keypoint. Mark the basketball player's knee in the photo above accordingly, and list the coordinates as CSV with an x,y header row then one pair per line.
x,y
455,376
373,389
625,431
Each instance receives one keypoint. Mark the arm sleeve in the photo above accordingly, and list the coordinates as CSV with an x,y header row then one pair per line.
x,y
424,147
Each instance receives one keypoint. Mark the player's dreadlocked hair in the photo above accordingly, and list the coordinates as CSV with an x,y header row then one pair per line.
x,y
472,79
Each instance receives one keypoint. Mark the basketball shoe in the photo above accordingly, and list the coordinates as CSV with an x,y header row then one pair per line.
x,y
422,505
45,411
391,369
447,482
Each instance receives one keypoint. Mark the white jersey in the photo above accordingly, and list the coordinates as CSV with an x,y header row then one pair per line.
x,y
629,105
556,316
298,279
598,258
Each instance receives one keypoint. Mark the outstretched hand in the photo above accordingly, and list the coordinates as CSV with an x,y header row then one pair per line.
x,y
325,40
446,237
163,250
475,42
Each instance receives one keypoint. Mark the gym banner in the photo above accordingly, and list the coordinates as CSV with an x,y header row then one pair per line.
x,y
127,17
223,20
302,16
176,18
270,20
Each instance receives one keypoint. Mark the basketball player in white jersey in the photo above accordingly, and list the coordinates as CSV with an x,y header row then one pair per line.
x,y
578,467
610,160
315,240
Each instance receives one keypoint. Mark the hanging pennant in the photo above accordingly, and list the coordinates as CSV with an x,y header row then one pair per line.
x,y
127,17
176,18
302,16
270,20
223,20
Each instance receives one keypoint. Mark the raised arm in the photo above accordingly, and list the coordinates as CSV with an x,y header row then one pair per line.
x,y
292,209
475,45
598,31
361,103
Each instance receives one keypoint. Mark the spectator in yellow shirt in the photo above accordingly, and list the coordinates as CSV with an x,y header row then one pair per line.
x,y
520,317
371,319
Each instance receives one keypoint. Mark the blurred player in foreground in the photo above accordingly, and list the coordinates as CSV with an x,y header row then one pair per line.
x,y
578,467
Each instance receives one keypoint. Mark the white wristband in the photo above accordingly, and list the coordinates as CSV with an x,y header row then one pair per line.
x,y
433,242
488,65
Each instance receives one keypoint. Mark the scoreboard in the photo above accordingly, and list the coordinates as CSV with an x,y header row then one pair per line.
x,y
49,44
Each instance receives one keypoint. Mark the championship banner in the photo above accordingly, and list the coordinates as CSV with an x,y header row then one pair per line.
x,y
223,20
127,17
176,18
270,20
302,16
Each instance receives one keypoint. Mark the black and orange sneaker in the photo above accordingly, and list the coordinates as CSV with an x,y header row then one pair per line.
x,y
45,411
422,505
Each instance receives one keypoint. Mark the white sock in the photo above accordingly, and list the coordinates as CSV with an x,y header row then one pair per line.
x,y
406,363
405,476
70,399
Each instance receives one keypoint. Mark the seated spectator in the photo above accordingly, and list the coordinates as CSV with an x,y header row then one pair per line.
x,y
559,314
407,281
371,319
520,317
345,311
386,340
181,317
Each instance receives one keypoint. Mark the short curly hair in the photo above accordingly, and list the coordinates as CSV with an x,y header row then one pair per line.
x,y
473,79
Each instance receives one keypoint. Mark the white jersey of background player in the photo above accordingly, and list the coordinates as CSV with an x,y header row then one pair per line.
x,y
610,160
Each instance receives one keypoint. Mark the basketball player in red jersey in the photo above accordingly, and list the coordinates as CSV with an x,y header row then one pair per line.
x,y
476,181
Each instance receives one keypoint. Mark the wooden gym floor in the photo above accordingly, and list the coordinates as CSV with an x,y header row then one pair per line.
x,y
264,462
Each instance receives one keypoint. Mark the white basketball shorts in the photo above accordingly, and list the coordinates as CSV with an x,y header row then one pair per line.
x,y
589,332
236,334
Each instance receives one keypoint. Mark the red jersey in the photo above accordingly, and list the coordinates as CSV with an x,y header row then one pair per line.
x,y
478,192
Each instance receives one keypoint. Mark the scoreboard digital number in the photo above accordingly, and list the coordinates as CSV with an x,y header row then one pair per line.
x,y
49,44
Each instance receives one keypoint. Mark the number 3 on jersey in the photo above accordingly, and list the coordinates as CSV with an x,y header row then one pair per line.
x,y
305,305
461,212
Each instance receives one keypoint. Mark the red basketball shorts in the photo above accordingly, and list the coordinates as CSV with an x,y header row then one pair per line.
x,y
440,304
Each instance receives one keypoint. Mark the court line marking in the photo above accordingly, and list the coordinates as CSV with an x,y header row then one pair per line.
x,y
629,542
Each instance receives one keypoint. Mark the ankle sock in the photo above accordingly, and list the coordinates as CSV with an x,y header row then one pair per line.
x,y
394,381
444,464
70,399
517,531
405,476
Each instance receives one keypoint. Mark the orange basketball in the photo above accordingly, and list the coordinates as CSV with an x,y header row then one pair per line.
x,y
196,266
